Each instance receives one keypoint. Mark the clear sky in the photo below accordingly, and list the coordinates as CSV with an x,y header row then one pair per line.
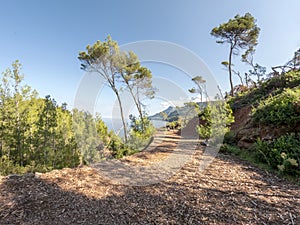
x,y
46,36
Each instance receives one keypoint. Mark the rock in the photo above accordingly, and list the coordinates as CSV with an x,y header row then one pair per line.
x,y
13,176
245,143
29,175
249,133
204,143
247,137
268,137
37,174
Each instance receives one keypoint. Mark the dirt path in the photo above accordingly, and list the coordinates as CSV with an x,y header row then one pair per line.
x,y
230,191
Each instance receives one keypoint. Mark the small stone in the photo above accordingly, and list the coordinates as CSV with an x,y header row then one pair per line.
x,y
13,176
37,175
29,175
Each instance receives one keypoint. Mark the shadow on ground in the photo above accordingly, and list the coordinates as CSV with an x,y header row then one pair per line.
x,y
187,199
229,191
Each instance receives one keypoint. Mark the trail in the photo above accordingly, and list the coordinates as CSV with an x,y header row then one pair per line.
x,y
229,191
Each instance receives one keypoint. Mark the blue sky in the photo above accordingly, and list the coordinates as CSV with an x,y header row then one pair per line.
x,y
46,36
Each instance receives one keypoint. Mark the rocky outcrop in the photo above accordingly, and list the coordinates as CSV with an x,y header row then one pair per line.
x,y
246,137
247,132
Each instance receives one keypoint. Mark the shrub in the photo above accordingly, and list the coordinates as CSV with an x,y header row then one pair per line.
x,y
226,148
282,109
7,167
272,86
216,118
282,153
229,138
117,147
140,136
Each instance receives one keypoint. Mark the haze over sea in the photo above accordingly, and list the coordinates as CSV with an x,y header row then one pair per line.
x,y
115,124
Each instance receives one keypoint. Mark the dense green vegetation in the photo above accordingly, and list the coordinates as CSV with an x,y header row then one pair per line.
x,y
215,122
36,133
280,110
274,121
141,133
282,153
275,106
271,86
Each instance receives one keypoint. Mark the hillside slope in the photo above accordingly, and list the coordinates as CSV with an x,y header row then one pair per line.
x,y
272,99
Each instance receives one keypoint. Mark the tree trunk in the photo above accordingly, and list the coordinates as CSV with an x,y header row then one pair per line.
x,y
18,128
122,115
200,92
138,106
230,71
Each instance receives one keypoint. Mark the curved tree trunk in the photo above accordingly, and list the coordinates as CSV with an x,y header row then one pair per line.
x,y
200,92
122,116
230,71
138,106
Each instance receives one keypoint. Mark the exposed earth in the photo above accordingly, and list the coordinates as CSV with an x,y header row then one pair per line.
x,y
229,191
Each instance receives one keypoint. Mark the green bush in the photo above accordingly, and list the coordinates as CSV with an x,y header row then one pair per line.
x,y
270,87
216,118
291,79
282,153
141,133
7,167
229,138
282,109
226,148
116,146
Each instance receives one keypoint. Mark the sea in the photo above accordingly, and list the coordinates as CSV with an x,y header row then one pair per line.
x,y
116,125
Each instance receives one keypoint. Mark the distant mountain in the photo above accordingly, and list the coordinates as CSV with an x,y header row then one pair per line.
x,y
159,116
174,112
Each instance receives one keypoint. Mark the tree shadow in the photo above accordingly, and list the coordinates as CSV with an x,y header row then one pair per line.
x,y
32,200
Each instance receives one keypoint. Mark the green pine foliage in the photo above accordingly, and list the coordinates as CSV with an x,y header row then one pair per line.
x,y
141,133
36,134
240,33
86,136
121,70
